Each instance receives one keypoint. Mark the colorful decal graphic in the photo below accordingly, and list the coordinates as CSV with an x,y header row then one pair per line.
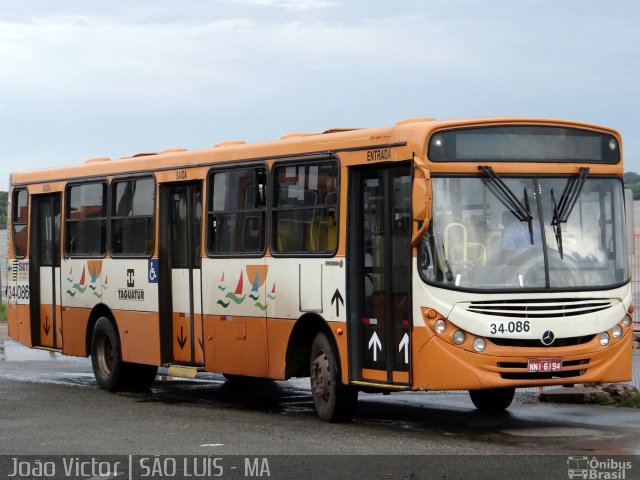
x,y
272,296
237,296
222,287
94,267
19,270
256,275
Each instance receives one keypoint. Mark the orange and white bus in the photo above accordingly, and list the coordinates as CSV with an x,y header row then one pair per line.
x,y
483,254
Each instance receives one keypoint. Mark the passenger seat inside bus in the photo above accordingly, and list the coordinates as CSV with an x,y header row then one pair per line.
x,y
323,233
251,223
293,233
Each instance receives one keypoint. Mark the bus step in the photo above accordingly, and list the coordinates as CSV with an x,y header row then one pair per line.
x,y
48,349
182,371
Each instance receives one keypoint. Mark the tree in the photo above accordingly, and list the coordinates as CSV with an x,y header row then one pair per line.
x,y
632,182
631,177
3,210
635,189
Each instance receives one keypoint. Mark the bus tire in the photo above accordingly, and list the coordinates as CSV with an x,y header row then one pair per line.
x,y
106,358
110,371
334,401
493,400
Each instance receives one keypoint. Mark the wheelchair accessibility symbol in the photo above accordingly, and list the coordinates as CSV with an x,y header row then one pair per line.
x,y
153,270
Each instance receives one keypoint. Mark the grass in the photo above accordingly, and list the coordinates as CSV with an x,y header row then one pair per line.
x,y
606,401
609,400
3,312
633,402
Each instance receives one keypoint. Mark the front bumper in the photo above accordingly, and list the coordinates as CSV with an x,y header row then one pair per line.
x,y
439,365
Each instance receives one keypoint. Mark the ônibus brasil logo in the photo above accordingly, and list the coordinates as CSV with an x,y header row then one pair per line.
x,y
589,468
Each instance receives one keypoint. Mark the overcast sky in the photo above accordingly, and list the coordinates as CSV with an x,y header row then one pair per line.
x,y
87,78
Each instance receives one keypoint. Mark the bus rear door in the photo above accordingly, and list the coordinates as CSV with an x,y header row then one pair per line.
x,y
180,273
44,270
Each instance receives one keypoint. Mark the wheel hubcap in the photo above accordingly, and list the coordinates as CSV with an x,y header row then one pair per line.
x,y
104,355
320,377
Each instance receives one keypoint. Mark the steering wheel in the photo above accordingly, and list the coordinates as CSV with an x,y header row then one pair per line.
x,y
531,261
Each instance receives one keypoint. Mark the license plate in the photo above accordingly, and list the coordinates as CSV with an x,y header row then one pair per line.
x,y
544,364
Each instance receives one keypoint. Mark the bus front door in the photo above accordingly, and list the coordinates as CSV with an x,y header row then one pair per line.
x,y
180,273
44,271
380,275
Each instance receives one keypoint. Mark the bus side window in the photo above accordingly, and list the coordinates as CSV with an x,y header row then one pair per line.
x,y
86,220
236,211
19,222
305,208
132,222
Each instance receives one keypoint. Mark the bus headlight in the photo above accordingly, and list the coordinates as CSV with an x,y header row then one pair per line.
x,y
458,337
604,339
479,345
440,325
616,331
626,321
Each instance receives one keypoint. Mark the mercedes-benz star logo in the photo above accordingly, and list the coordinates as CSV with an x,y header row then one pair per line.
x,y
548,337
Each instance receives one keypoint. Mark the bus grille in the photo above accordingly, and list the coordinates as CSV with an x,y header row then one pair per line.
x,y
536,343
520,371
539,308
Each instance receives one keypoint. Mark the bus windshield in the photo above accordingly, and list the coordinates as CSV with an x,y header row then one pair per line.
x,y
480,240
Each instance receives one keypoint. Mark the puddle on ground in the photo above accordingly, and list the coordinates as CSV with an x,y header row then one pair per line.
x,y
553,432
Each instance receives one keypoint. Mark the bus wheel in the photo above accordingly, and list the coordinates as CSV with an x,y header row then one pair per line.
x,y
105,356
494,400
110,371
334,401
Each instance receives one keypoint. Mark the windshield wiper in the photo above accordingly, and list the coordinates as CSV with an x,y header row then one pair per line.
x,y
509,199
568,199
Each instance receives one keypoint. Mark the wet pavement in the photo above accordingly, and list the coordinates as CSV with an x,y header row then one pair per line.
x,y
51,404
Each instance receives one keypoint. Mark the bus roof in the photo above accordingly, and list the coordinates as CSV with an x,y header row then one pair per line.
x,y
412,132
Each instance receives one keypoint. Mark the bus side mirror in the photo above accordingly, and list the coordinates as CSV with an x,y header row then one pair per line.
x,y
421,201
421,197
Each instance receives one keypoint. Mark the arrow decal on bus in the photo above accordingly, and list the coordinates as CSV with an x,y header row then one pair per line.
x,y
404,343
375,342
182,340
337,299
